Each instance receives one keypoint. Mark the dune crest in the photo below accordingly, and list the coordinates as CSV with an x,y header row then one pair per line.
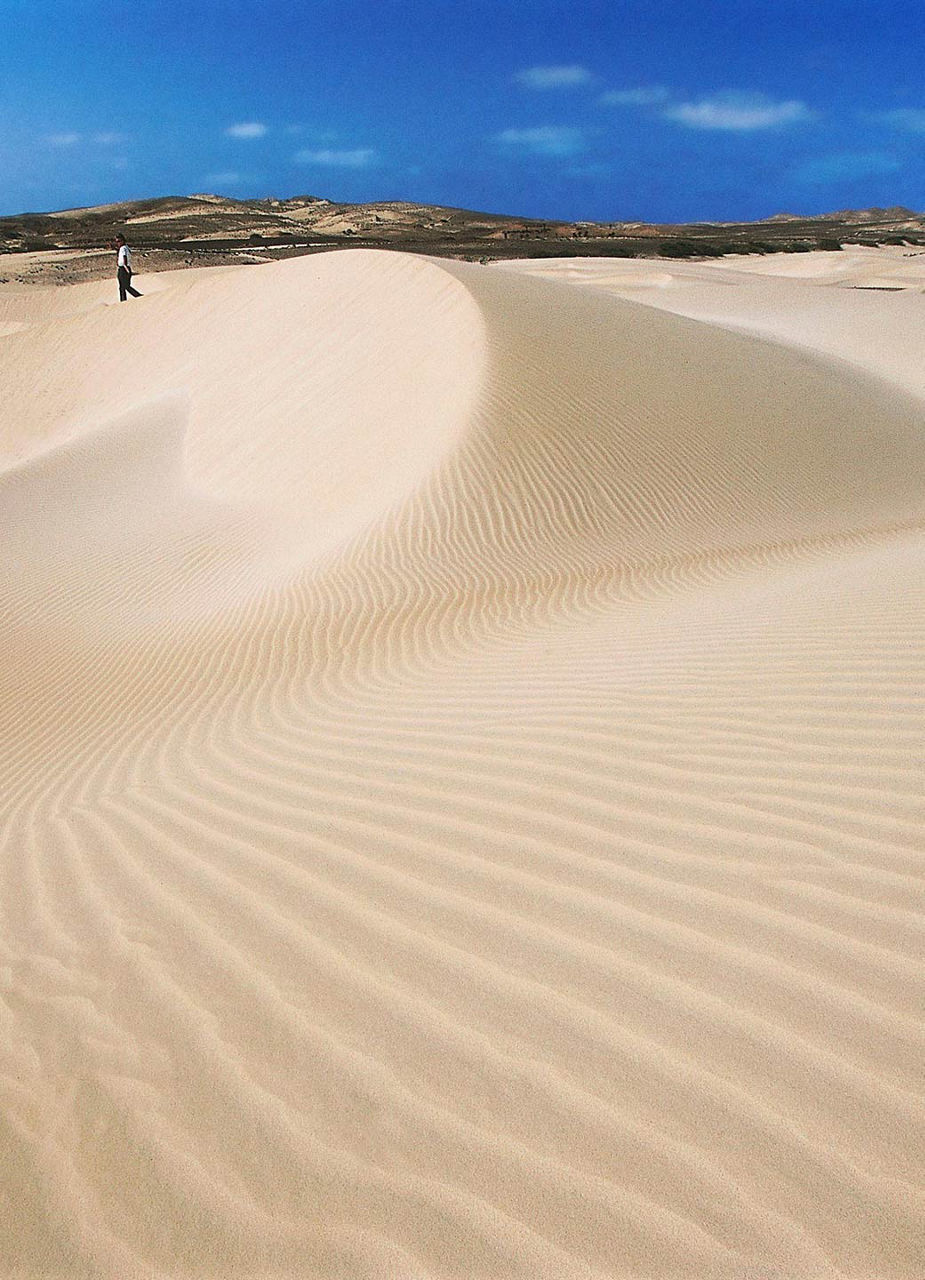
x,y
460,775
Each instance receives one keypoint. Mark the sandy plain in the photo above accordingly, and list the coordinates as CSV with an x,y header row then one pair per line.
x,y
461,739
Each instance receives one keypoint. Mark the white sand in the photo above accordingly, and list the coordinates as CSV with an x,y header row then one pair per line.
x,y
461,744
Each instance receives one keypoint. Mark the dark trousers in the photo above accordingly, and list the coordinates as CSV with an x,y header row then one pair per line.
x,y
125,284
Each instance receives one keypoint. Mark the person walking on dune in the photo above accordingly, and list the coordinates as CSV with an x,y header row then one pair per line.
x,y
124,269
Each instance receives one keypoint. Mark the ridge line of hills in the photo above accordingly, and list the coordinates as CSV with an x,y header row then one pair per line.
x,y
207,229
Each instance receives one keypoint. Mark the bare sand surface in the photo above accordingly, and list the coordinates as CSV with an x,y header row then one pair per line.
x,y
461,761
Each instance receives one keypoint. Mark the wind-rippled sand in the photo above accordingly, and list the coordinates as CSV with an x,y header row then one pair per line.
x,y
461,775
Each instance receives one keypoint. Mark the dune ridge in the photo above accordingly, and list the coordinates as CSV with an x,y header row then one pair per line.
x,y
461,781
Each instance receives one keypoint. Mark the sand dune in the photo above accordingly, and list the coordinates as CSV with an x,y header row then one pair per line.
x,y
830,303
461,774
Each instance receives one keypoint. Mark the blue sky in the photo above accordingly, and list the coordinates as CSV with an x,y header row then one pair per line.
x,y
667,110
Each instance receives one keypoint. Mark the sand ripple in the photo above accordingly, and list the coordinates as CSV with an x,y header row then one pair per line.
x,y
460,766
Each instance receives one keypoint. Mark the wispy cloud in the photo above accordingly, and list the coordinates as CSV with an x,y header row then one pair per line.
x,y
644,96
845,166
246,130
358,158
69,139
546,140
568,77
909,119
738,112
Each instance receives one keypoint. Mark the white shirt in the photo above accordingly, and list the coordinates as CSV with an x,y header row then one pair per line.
x,y
125,257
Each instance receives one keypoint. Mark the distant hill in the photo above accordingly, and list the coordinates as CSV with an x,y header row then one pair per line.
x,y
208,229
897,217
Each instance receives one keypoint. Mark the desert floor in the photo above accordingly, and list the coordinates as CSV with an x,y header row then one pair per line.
x,y
461,771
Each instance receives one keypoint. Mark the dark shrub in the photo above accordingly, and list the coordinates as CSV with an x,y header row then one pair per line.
x,y
682,249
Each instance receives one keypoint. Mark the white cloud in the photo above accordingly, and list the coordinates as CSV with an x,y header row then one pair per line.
x,y
547,140
910,119
358,158
249,129
738,112
72,139
553,77
644,96
845,166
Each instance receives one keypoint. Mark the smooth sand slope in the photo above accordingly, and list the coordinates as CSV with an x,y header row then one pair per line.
x,y
461,772
859,304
